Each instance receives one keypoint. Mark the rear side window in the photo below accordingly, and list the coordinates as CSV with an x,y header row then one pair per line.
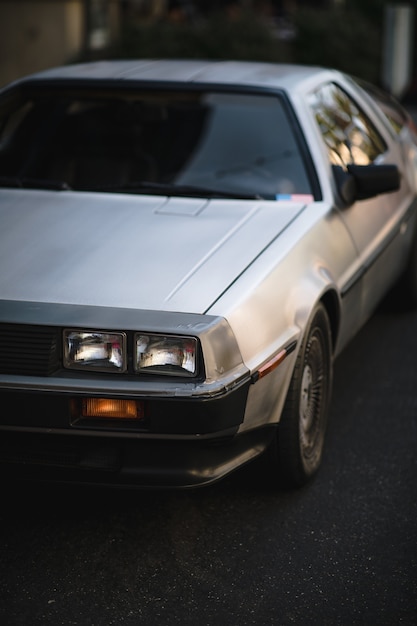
x,y
392,109
349,135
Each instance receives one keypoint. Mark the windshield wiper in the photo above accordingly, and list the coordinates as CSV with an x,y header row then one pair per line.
x,y
33,183
169,189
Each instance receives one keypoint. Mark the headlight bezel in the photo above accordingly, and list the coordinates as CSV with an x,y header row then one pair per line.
x,y
127,341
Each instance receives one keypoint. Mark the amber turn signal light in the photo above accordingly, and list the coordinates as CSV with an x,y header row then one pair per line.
x,y
112,408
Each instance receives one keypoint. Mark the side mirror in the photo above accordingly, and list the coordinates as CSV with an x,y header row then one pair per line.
x,y
360,182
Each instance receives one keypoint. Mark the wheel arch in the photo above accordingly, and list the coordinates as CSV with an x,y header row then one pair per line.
x,y
331,303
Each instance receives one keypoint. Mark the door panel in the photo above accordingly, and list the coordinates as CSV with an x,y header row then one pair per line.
x,y
377,225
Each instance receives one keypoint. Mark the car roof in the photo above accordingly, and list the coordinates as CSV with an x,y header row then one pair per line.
x,y
245,73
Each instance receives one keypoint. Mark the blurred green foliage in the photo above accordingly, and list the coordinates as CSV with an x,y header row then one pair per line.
x,y
213,38
348,38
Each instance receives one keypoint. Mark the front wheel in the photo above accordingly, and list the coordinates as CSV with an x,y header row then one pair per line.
x,y
409,279
297,450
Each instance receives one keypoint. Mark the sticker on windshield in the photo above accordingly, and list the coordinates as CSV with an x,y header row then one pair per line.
x,y
294,197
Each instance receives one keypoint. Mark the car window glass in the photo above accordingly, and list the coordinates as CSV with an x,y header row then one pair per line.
x,y
349,135
236,143
392,109
257,144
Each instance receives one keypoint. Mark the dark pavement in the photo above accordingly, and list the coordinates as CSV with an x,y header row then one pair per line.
x,y
342,551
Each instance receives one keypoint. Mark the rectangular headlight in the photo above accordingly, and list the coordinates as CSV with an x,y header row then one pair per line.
x,y
95,350
171,355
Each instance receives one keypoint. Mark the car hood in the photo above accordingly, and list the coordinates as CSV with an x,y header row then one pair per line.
x,y
130,251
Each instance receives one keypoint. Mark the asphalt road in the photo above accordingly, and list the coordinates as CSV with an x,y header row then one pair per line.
x,y
341,551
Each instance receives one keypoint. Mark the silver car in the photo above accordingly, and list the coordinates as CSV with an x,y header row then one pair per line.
x,y
185,248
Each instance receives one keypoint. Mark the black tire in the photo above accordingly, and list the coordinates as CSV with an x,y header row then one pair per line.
x,y
297,450
409,279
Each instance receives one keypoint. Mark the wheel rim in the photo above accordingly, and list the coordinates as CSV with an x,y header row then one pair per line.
x,y
313,400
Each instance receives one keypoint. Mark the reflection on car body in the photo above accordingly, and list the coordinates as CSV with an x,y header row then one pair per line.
x,y
186,248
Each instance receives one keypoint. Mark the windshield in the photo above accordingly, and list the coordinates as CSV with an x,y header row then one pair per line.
x,y
84,139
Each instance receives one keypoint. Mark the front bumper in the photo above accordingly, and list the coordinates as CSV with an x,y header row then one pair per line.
x,y
181,442
120,462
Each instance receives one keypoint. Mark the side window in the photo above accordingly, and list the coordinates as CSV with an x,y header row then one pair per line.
x,y
393,110
349,135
